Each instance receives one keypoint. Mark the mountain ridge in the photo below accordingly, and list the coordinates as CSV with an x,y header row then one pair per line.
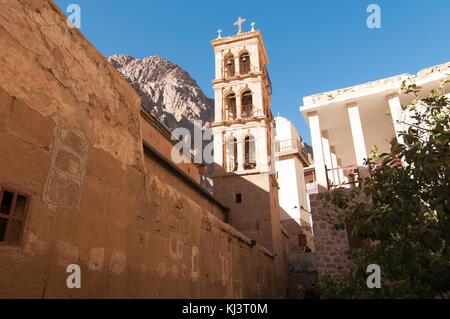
x,y
167,91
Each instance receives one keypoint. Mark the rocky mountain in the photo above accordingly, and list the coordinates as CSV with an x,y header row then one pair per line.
x,y
166,90
168,93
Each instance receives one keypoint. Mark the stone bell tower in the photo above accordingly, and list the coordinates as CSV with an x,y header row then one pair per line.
x,y
244,175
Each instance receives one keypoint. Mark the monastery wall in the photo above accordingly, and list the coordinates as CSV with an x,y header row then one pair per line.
x,y
330,245
71,138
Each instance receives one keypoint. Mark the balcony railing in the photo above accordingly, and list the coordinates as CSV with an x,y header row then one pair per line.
x,y
286,146
291,145
352,177
231,72
248,111
228,116
232,166
250,162
396,162
354,173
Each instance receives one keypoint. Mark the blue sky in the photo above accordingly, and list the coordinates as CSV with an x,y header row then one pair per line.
x,y
313,46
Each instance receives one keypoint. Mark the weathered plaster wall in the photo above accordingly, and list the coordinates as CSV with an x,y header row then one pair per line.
x,y
71,137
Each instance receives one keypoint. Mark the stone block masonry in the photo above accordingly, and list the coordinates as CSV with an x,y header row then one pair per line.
x,y
71,136
330,245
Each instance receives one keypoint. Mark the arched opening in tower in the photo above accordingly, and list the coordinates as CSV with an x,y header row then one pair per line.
x,y
232,162
244,63
230,107
249,152
247,104
229,65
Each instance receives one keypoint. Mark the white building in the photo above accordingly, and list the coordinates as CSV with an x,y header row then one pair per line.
x,y
291,158
346,123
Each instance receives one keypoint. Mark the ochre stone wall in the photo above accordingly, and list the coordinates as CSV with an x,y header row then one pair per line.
x,y
257,216
294,229
152,135
330,245
253,215
302,266
71,137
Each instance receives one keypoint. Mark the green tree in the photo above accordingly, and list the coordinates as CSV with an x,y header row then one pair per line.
x,y
406,220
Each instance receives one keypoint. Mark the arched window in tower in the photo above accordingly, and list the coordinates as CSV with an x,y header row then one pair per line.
x,y
229,66
232,157
244,63
230,107
249,152
247,104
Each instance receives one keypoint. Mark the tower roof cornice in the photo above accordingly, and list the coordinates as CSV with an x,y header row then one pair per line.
x,y
240,37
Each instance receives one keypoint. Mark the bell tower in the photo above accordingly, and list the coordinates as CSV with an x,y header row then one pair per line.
x,y
243,128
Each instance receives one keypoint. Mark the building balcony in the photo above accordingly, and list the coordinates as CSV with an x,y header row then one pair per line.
x,y
348,178
292,146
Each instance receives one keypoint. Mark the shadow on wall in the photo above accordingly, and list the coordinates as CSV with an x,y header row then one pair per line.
x,y
241,270
255,211
302,264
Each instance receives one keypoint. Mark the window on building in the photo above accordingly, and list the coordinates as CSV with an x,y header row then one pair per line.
x,y
238,198
230,107
249,152
232,162
229,65
13,209
244,63
247,104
